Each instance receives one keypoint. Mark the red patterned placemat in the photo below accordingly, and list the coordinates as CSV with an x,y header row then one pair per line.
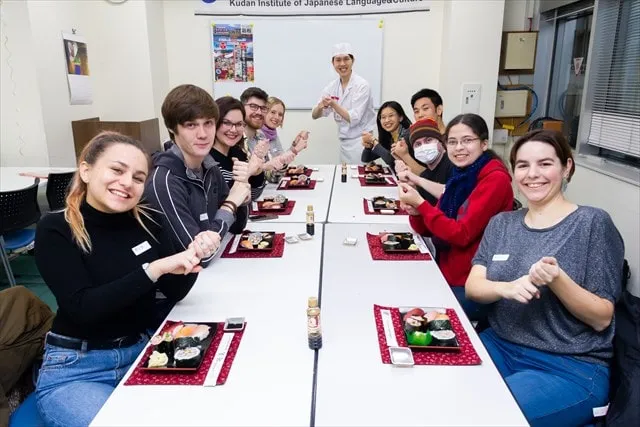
x,y
286,211
141,377
466,356
385,170
284,185
365,205
378,253
276,252
390,182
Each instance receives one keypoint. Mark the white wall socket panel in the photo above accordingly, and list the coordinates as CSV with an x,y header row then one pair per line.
x,y
471,98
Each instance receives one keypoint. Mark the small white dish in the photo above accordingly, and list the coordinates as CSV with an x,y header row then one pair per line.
x,y
305,236
291,239
350,241
401,356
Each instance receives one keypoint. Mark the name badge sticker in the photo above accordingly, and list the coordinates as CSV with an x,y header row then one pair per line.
x,y
500,257
204,217
141,248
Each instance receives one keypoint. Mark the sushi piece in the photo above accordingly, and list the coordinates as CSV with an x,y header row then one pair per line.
x,y
186,331
246,244
166,346
440,325
442,316
413,312
263,245
174,331
444,338
201,332
413,323
391,245
158,360
155,340
187,357
184,342
430,316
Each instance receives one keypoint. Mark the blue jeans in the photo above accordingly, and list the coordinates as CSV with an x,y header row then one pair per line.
x,y
474,310
551,389
73,385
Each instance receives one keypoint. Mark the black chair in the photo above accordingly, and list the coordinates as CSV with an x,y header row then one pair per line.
x,y
57,188
18,210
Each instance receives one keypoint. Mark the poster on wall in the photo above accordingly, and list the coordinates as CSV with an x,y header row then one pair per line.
x,y
233,52
77,64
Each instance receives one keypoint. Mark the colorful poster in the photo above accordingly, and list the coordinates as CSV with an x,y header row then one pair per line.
x,y
77,64
233,52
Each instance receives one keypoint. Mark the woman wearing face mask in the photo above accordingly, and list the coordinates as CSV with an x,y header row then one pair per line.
x,y
428,149
478,187
274,120
553,272
393,125
233,161
104,257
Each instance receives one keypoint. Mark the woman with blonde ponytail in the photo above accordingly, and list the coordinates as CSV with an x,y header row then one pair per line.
x,y
103,258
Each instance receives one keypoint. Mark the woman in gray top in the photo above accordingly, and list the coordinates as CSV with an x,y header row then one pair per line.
x,y
553,273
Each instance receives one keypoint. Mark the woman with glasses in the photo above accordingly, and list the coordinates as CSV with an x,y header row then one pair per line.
x,y
232,160
274,120
553,274
478,187
348,98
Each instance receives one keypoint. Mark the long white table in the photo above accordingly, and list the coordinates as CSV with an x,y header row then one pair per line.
x,y
319,197
346,200
270,383
354,387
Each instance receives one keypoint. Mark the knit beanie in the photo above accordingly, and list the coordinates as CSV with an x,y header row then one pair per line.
x,y
422,128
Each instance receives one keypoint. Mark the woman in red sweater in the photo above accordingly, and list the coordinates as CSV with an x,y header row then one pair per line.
x,y
479,186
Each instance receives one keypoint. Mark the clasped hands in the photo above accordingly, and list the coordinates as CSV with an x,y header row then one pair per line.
x,y
526,287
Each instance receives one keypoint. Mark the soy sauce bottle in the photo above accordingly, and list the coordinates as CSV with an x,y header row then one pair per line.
x,y
311,228
314,333
344,172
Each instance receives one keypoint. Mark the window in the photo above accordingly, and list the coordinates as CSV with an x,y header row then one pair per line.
x,y
613,94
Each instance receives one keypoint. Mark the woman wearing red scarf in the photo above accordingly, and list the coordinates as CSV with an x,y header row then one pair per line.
x,y
479,186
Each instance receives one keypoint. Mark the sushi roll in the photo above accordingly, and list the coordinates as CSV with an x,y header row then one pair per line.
x,y
184,342
440,325
413,323
166,346
390,245
187,357
158,360
444,338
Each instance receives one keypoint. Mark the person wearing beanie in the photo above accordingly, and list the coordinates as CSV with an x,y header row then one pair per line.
x,y
348,98
426,141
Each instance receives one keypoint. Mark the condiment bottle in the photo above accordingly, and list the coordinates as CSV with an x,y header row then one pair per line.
x,y
311,228
344,172
314,333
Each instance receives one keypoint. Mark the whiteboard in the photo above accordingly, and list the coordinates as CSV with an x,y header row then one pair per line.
x,y
292,57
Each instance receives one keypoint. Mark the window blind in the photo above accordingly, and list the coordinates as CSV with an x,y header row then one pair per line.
x,y
615,77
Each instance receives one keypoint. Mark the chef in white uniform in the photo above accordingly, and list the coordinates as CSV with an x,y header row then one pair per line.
x,y
348,98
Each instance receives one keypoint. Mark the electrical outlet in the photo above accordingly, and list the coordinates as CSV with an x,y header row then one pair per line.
x,y
471,98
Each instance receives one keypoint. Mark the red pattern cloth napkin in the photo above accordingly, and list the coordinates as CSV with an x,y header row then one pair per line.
x,y
284,185
385,170
276,252
286,211
466,356
378,253
141,377
390,182
375,212
307,172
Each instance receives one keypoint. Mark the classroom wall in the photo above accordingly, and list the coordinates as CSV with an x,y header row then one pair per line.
x,y
466,40
22,136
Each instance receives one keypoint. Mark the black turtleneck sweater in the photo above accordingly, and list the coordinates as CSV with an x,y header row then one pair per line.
x,y
105,294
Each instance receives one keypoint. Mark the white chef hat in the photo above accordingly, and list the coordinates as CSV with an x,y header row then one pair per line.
x,y
342,49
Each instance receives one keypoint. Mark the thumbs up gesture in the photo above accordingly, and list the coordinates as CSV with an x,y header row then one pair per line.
x,y
240,171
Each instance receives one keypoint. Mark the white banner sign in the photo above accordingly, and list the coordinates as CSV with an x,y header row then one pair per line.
x,y
308,7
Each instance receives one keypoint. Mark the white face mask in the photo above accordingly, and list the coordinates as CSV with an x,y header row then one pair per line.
x,y
426,153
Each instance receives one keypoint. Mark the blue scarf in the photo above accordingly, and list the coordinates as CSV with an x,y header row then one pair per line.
x,y
459,186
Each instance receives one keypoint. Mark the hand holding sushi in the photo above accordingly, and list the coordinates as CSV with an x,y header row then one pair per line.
x,y
401,166
521,290
184,262
409,209
544,271
408,195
